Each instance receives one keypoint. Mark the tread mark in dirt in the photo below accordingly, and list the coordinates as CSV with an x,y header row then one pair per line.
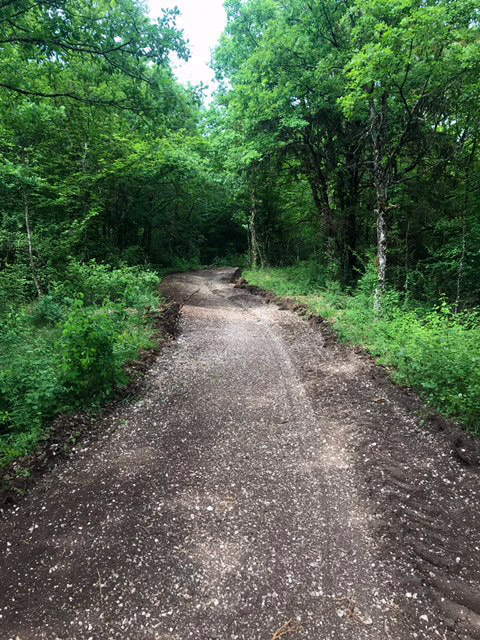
x,y
256,480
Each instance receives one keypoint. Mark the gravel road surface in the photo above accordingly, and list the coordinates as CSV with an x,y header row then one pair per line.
x,y
267,484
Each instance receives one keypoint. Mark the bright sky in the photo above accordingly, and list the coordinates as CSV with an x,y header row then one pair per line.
x,y
202,22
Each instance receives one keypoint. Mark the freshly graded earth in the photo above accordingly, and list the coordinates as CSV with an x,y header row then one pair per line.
x,y
268,483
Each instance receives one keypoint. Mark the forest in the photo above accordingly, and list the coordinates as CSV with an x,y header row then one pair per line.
x,y
338,164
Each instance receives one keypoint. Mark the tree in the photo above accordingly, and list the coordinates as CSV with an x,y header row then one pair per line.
x,y
41,42
411,58
364,101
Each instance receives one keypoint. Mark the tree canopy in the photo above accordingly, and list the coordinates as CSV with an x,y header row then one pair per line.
x,y
373,107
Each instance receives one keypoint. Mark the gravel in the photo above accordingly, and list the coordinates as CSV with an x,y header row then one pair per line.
x,y
265,485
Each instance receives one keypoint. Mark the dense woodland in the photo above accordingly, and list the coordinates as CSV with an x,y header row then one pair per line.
x,y
339,160
360,120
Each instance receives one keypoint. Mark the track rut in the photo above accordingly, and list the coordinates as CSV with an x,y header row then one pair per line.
x,y
268,483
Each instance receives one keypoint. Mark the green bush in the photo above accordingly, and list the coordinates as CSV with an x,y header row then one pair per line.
x,y
134,255
47,311
69,349
89,366
30,385
15,286
131,286
437,353
231,260
300,280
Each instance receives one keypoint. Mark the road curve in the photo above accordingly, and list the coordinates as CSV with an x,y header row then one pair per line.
x,y
226,502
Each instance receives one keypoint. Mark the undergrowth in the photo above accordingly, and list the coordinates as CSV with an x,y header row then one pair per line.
x,y
68,350
434,350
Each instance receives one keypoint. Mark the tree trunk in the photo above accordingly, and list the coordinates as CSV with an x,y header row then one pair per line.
x,y
381,254
30,244
378,123
321,197
349,197
254,251
466,206
322,202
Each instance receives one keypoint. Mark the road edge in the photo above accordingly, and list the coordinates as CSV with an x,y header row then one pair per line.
x,y
67,432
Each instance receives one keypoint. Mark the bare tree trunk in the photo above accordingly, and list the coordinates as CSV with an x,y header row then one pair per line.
x,y
378,123
381,256
254,249
30,244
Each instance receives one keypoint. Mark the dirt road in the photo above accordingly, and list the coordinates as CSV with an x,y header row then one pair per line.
x,y
268,484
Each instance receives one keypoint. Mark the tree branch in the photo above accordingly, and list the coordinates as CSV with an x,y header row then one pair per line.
x,y
70,96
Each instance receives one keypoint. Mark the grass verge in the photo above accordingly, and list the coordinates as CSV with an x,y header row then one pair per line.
x,y
435,351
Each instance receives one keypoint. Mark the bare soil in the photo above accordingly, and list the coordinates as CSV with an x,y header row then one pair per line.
x,y
267,483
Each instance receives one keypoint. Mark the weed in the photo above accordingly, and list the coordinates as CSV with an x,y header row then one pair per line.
x,y
70,348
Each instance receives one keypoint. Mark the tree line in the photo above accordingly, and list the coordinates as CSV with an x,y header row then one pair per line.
x,y
354,125
103,154
344,132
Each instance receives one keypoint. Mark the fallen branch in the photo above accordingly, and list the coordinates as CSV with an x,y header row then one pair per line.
x,y
288,629
190,296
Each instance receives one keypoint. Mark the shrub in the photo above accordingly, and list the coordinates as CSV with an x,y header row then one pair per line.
x,y
15,286
132,286
67,350
89,367
30,385
47,311
134,255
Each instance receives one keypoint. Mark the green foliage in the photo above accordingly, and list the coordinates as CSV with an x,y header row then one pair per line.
x,y
299,280
102,152
435,351
133,286
50,41
30,384
15,286
332,108
60,354
47,311
89,366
